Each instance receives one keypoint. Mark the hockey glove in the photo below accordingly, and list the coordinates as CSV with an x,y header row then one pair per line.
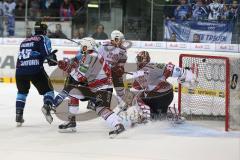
x,y
67,66
82,79
52,58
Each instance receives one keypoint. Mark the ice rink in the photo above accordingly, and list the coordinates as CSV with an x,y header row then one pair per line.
x,y
37,140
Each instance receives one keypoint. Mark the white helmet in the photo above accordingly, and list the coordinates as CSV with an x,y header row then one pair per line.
x,y
117,35
88,43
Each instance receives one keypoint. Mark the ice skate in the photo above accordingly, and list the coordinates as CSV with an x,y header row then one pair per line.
x,y
69,126
179,120
119,128
46,110
19,119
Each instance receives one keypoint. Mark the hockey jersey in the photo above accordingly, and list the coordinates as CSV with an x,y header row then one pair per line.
x,y
93,67
216,10
153,77
33,51
113,55
199,12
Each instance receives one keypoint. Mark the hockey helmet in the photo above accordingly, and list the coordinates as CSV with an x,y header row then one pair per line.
x,y
142,59
117,37
88,44
40,27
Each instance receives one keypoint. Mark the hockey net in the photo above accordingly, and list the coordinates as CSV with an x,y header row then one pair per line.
x,y
216,95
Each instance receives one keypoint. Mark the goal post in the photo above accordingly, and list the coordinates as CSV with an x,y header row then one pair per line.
x,y
217,93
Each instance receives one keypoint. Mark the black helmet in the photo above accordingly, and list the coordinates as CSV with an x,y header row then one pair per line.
x,y
40,27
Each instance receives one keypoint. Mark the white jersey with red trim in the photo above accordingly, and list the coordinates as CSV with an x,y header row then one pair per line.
x,y
93,67
113,55
152,77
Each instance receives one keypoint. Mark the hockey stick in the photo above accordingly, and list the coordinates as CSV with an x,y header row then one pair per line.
x,y
78,43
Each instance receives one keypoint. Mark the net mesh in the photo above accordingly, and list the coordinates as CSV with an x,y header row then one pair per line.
x,y
207,99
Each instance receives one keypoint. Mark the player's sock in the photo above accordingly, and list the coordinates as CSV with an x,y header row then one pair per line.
x,y
59,98
20,104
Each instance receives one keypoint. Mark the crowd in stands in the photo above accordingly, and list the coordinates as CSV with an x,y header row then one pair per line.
x,y
79,33
63,10
76,12
202,9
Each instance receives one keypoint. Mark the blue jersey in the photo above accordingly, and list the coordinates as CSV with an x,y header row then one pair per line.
x,y
199,12
33,52
182,12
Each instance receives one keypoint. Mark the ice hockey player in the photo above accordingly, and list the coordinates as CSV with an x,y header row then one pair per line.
x,y
93,75
29,68
115,55
151,87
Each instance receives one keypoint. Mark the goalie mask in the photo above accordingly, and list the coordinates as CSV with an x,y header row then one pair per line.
x,y
88,44
116,38
143,58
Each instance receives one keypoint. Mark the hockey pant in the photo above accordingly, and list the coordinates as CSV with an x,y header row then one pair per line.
x,y
158,102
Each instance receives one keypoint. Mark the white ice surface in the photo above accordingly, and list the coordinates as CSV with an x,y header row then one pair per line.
x,y
37,140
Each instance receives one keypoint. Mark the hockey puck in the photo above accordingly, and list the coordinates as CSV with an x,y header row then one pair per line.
x,y
204,60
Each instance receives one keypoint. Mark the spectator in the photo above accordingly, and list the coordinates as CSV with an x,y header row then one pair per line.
x,y
168,9
100,34
1,18
80,16
28,32
226,13
34,9
79,33
82,33
228,2
216,10
58,32
234,10
196,38
66,10
9,9
20,9
50,7
183,11
75,34
199,11
173,37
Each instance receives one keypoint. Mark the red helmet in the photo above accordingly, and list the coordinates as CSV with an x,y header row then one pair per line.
x,y
143,58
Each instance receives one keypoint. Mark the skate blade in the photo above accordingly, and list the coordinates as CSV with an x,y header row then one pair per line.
x,y
179,121
67,130
49,117
19,124
113,134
